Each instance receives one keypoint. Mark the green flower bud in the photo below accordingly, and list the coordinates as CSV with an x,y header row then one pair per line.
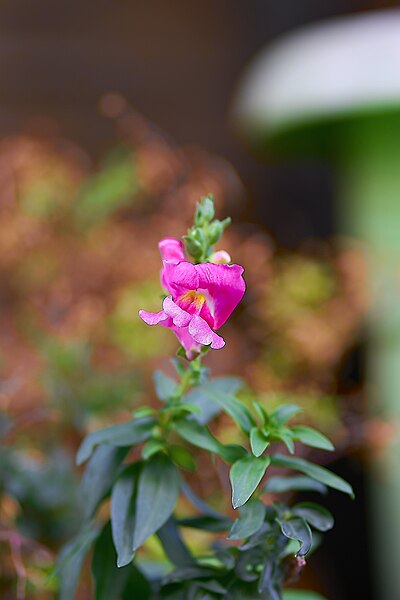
x,y
194,247
214,232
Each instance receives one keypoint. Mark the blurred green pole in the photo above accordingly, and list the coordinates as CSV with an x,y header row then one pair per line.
x,y
370,209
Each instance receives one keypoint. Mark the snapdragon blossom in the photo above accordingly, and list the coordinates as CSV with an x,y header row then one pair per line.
x,y
201,298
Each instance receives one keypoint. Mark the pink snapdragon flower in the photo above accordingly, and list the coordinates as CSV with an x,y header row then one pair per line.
x,y
201,298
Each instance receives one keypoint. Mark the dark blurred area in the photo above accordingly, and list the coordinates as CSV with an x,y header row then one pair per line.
x,y
178,64
68,71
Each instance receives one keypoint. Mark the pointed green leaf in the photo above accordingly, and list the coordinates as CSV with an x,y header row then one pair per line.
x,y
182,457
297,529
165,386
284,412
251,518
200,396
158,491
197,434
311,437
317,516
71,558
314,471
99,475
174,547
123,513
296,483
123,434
234,408
245,475
261,412
152,447
109,580
258,441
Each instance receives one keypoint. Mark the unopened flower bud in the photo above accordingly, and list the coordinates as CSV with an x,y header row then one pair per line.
x,y
221,257
214,232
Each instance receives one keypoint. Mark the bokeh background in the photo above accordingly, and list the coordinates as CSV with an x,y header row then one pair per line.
x,y
114,120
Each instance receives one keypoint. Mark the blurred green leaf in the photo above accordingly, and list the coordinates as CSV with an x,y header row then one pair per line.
x,y
258,441
71,559
314,471
182,457
296,483
165,386
284,413
234,408
200,396
110,581
111,188
99,476
123,434
123,513
157,494
311,437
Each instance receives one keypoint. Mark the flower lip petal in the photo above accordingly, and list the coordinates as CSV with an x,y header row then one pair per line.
x,y
180,317
202,333
153,318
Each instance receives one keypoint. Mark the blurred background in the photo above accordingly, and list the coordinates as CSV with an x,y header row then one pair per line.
x,y
115,117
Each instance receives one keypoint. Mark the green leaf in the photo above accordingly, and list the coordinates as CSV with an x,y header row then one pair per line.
x,y
234,408
283,434
311,437
181,408
152,447
200,396
143,412
314,471
109,580
206,523
258,441
197,435
173,545
158,491
123,513
296,483
297,529
123,434
137,585
99,476
261,412
317,516
251,518
301,595
71,559
245,475
284,413
165,386
182,457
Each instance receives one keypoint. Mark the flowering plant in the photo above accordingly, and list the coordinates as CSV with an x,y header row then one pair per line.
x,y
141,465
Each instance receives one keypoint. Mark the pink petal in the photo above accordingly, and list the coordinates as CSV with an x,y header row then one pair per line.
x,y
201,332
171,249
179,278
180,317
153,318
192,348
225,288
